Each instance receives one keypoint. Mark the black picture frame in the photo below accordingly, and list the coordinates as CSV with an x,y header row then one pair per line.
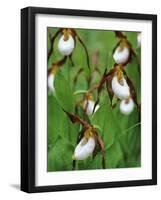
x,y
28,98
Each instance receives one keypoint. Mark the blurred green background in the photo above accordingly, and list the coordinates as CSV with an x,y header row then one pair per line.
x,y
121,134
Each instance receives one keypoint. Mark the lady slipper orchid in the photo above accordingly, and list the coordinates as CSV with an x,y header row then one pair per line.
x,y
88,142
120,87
139,39
121,54
52,71
51,78
88,104
66,44
127,106
85,147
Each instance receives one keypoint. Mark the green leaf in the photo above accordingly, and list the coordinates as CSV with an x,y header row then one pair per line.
x,y
63,92
60,156
131,146
115,156
80,92
73,130
105,120
57,121
125,121
91,163
126,149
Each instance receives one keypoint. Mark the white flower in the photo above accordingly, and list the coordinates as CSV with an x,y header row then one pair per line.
x,y
84,148
51,78
127,106
66,46
122,91
90,106
139,39
121,55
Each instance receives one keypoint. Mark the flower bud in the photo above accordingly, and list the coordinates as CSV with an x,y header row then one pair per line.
x,y
51,78
127,106
84,149
89,106
66,46
120,88
121,54
139,39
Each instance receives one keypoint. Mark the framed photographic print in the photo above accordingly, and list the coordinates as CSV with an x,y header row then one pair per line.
x,y
88,99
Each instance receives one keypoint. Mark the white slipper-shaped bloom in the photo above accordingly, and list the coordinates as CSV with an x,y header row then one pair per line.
x,y
89,106
84,149
66,46
127,106
51,78
121,90
121,55
139,39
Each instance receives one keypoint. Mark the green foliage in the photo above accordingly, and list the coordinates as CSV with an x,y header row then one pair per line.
x,y
90,163
121,134
64,93
105,122
56,118
59,157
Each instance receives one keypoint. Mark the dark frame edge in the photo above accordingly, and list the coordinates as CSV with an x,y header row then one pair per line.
x,y
87,186
27,137
154,99
24,100
90,13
